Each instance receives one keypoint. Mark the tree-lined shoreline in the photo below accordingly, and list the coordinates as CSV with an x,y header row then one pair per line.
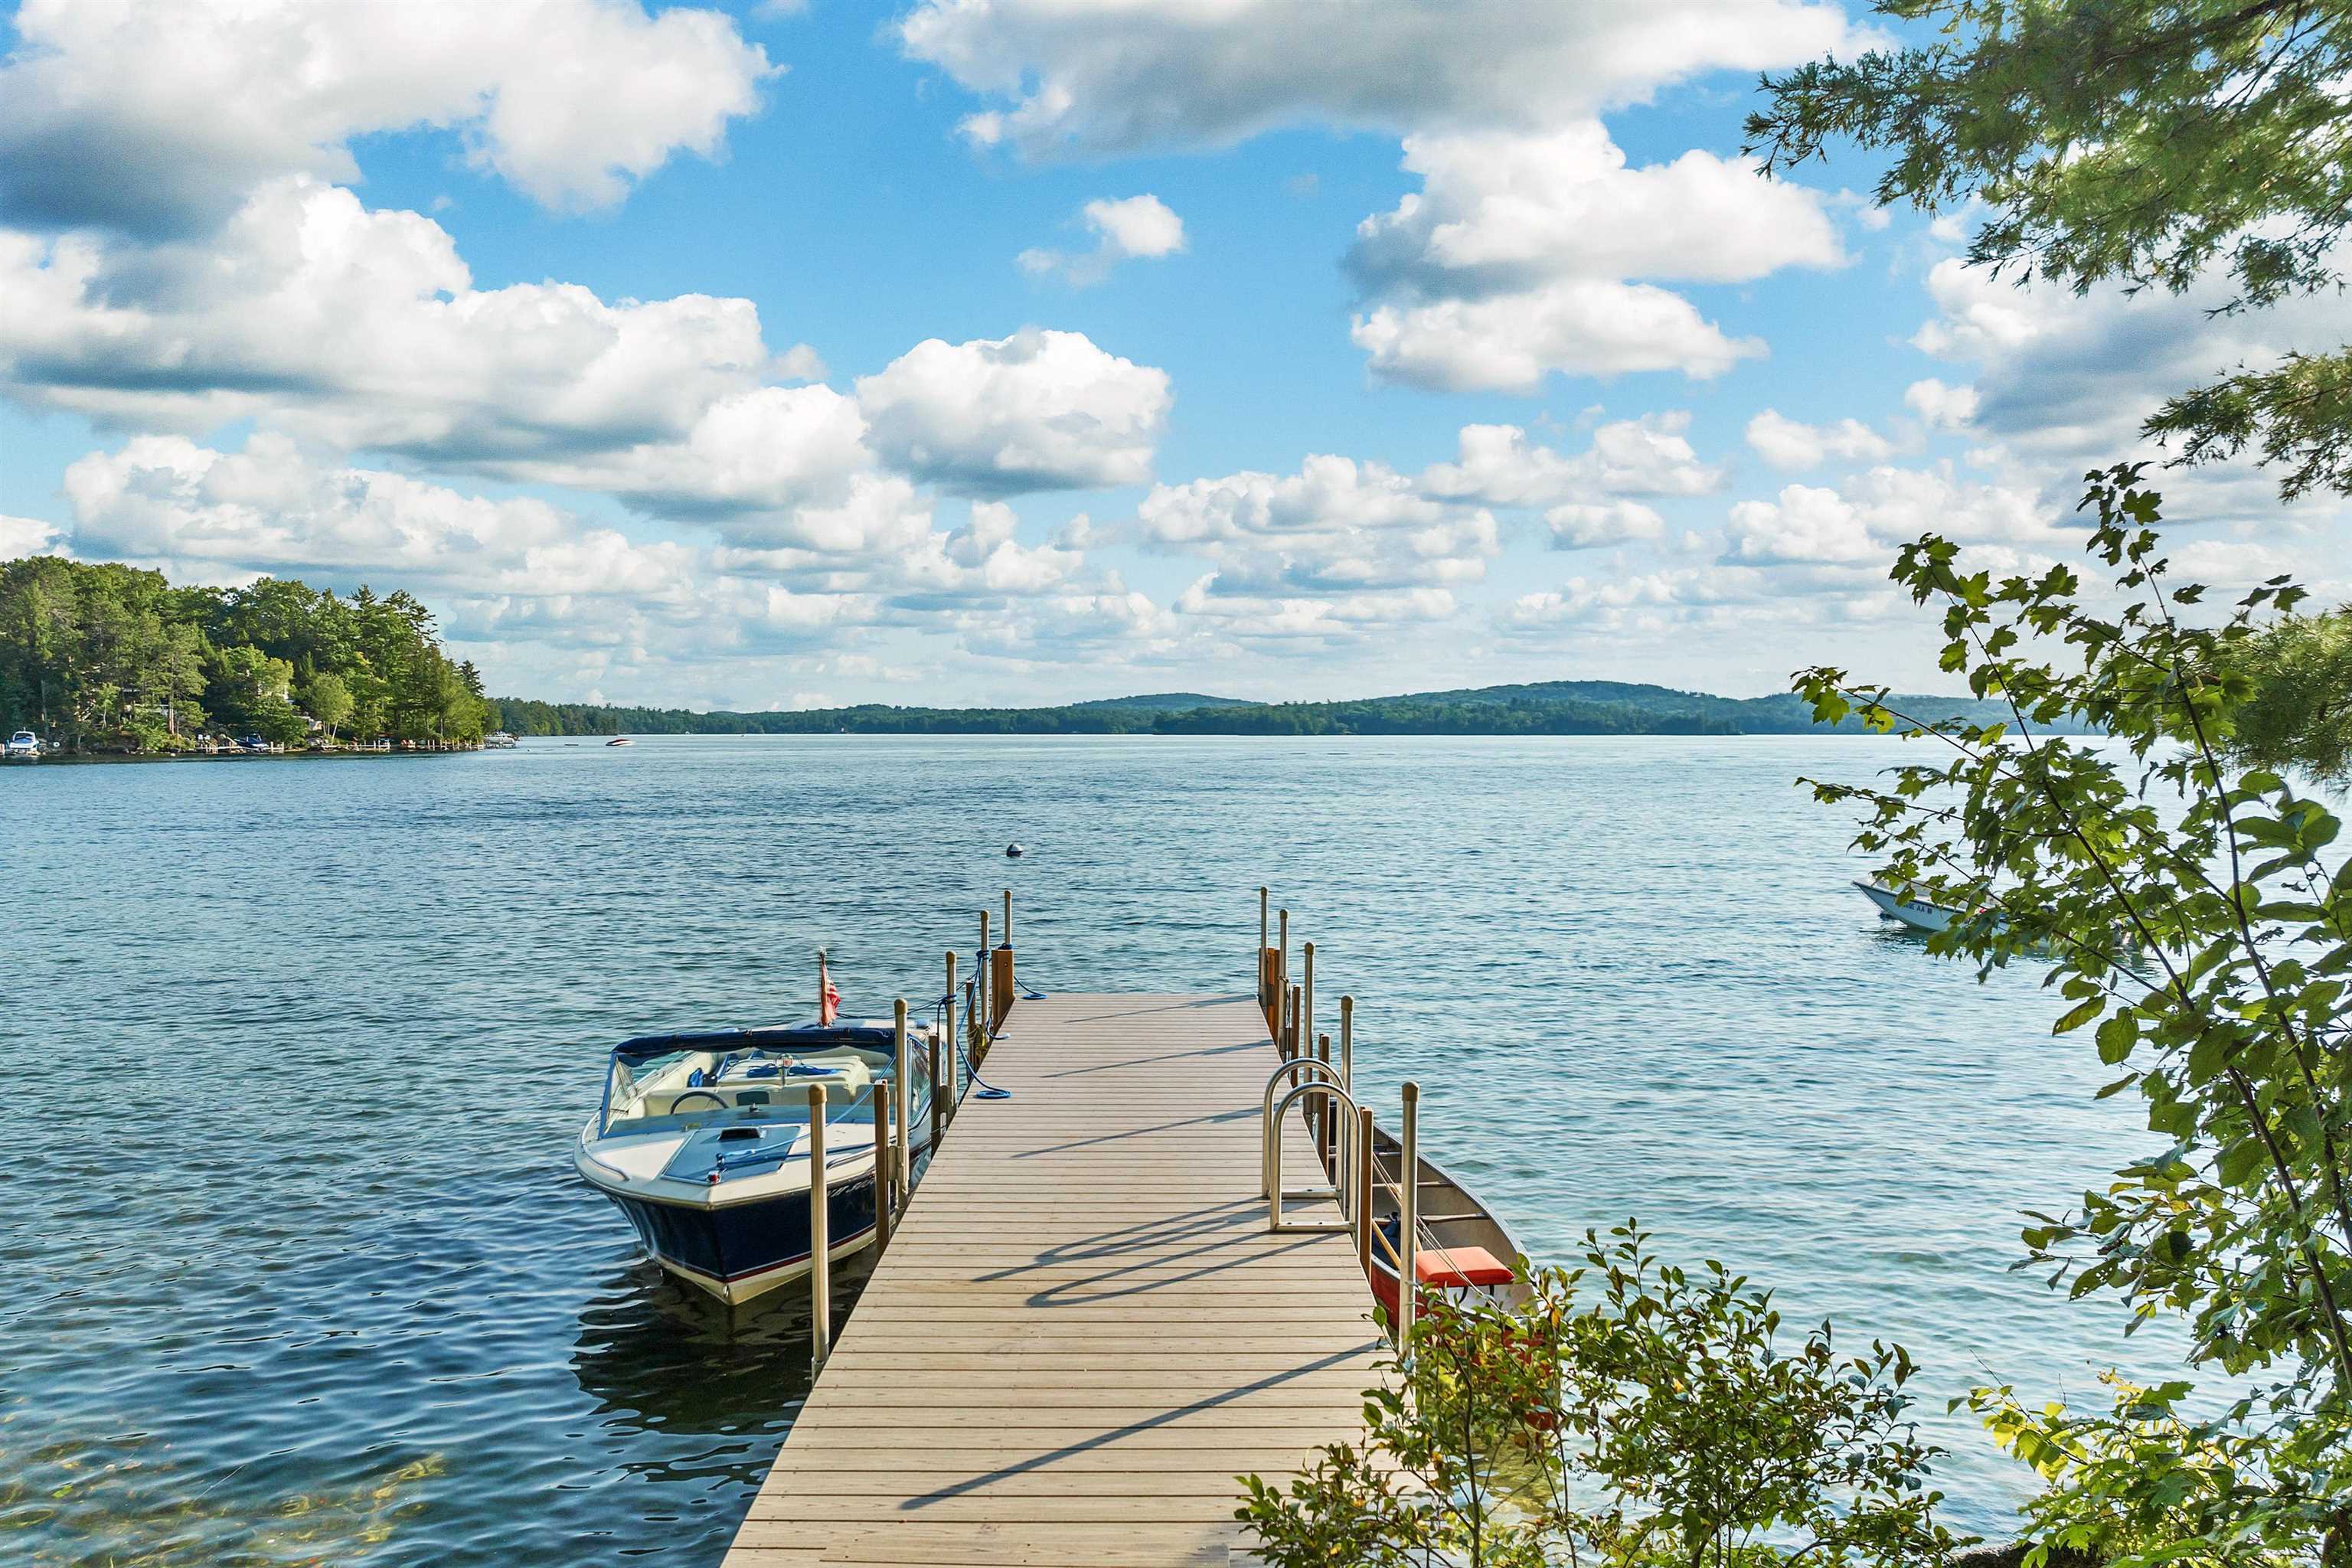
x,y
1550,708
98,657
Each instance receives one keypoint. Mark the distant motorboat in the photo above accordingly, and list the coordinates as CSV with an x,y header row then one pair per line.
x,y
620,741
498,740
24,746
702,1142
1920,914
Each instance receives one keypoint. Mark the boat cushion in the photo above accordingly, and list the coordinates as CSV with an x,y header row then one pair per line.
x,y
1457,1268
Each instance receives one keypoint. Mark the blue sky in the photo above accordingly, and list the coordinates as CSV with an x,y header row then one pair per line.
x,y
690,355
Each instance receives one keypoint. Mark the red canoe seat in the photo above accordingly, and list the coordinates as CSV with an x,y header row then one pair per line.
x,y
1459,1268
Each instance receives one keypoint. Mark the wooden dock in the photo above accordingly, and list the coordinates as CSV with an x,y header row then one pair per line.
x,y
1082,1329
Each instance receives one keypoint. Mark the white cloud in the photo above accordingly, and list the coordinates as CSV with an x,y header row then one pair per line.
x,y
1649,455
748,455
269,509
22,536
363,330
1868,516
1532,247
1589,525
157,116
1336,527
1807,523
985,557
875,515
360,329
1094,77
1941,407
2062,382
1526,254
1106,628
1792,445
1500,212
1260,613
514,571
1767,620
1038,410
1511,341
1136,227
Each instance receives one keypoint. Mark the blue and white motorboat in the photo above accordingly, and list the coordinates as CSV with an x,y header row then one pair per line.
x,y
24,746
702,1142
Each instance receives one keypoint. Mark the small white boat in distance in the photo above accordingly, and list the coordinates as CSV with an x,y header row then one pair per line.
x,y
24,746
1917,913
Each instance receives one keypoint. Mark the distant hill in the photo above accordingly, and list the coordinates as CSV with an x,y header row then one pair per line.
x,y
1165,703
1547,708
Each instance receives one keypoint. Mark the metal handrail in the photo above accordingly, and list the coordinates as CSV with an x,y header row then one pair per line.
x,y
1268,1172
1274,1197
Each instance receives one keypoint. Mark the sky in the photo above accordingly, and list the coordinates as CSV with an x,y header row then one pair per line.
x,y
993,351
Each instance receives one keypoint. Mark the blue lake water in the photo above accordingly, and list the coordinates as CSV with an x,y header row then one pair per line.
x,y
299,1273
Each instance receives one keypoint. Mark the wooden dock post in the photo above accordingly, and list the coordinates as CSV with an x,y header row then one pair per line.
x,y
1363,1216
902,1168
1000,965
999,971
1348,1044
820,1243
881,1097
955,1090
1265,981
938,1100
1282,960
1307,997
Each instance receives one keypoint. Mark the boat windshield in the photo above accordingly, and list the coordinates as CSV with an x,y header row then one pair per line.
x,y
663,1090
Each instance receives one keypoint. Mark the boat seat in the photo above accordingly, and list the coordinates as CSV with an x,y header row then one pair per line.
x,y
1459,1268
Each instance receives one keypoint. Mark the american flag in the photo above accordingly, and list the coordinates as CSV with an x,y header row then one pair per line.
x,y
828,998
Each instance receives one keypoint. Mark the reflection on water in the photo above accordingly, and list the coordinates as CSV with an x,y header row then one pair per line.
x,y
298,1270
647,1343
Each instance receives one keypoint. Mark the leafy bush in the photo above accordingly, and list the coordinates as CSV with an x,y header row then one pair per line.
x,y
1662,1422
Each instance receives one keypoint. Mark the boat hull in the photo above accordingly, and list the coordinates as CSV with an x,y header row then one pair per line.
x,y
1917,913
1454,1216
740,1252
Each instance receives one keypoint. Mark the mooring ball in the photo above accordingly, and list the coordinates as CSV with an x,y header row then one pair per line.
x,y
1013,852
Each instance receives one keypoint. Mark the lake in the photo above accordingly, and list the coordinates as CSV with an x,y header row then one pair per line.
x,y
298,1270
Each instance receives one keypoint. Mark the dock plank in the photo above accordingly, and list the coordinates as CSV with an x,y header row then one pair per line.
x,y
1081,1331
